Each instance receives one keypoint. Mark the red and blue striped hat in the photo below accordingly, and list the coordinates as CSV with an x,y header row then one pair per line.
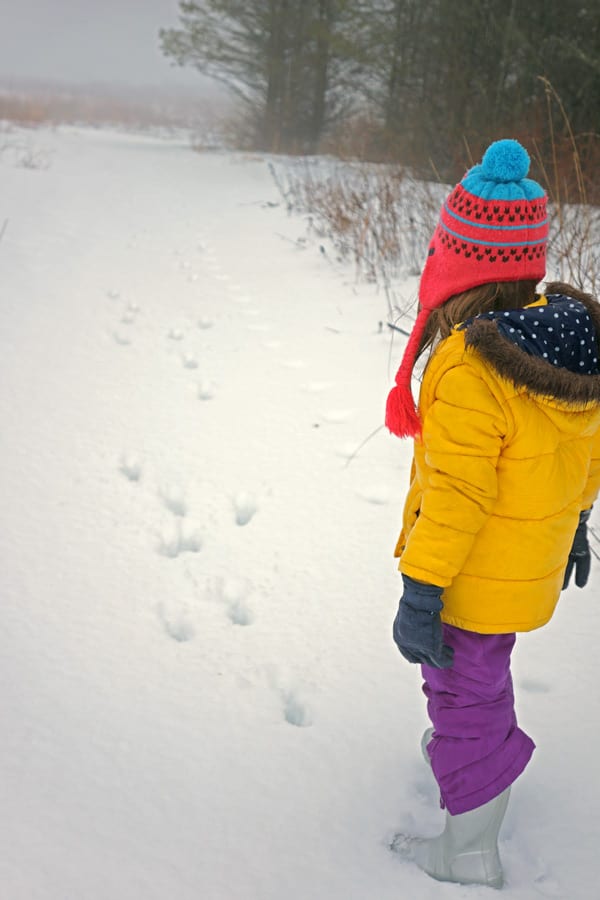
x,y
492,227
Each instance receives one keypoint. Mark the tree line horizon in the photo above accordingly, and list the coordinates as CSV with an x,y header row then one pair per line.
x,y
424,84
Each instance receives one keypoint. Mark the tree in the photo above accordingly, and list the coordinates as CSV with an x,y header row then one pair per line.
x,y
443,76
273,54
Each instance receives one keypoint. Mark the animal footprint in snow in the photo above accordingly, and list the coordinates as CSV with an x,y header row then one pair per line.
x,y
189,360
206,390
175,334
205,323
177,621
245,507
120,337
233,594
131,466
295,712
179,537
130,314
173,498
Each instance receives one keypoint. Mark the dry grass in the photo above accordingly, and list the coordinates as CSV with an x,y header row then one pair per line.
x,y
381,217
378,217
574,242
36,104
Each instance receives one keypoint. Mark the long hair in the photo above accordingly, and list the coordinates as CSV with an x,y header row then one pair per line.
x,y
484,298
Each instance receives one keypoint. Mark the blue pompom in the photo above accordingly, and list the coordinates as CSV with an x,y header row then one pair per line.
x,y
505,161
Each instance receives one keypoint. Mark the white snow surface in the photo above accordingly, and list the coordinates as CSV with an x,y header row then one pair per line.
x,y
200,694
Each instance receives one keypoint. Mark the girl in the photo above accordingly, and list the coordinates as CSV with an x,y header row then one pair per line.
x,y
506,468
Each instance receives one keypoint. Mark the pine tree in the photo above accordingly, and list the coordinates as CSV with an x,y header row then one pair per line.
x,y
274,54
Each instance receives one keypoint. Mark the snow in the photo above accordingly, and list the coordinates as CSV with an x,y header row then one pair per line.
x,y
200,694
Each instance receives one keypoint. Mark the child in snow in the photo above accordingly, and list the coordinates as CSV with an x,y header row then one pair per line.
x,y
506,468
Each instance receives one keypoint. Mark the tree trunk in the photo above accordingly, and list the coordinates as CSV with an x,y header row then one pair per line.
x,y
275,76
322,59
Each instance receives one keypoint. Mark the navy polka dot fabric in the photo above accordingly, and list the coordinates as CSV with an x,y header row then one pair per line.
x,y
560,332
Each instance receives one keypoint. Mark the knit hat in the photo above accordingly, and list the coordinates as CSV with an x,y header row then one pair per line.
x,y
492,227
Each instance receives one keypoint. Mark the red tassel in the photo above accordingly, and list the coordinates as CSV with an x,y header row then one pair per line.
x,y
401,416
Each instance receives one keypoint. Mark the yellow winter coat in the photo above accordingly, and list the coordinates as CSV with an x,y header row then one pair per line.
x,y
509,456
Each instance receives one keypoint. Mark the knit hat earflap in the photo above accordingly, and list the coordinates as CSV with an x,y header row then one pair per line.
x,y
492,228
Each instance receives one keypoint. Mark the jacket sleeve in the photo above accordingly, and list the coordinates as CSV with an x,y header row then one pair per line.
x,y
593,483
463,432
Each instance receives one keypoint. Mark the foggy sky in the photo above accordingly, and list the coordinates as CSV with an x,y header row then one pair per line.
x,y
83,41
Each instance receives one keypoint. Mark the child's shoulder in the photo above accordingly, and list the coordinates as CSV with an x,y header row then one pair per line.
x,y
454,355
451,351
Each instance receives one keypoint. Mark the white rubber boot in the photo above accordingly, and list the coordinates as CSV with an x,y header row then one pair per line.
x,y
427,735
467,850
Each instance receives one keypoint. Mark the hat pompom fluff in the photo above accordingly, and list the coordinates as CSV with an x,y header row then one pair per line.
x,y
505,161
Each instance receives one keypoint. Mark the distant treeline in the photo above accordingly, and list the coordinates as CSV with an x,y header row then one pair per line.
x,y
424,82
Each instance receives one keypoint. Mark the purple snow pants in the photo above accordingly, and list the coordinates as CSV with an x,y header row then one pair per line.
x,y
477,749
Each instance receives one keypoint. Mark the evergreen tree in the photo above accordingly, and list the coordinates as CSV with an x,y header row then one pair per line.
x,y
274,54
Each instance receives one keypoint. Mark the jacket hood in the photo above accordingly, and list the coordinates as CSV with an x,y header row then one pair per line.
x,y
551,347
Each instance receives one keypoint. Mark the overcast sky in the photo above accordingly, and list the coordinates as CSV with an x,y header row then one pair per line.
x,y
113,41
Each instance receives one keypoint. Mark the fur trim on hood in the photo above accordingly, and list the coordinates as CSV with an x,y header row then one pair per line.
x,y
523,364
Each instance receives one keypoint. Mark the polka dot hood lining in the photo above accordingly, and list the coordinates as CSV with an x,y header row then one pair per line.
x,y
560,332
550,348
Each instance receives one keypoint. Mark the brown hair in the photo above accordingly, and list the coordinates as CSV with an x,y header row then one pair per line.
x,y
484,298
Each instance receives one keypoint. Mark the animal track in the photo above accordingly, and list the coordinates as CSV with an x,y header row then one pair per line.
x,y
206,390
177,621
121,338
175,334
189,360
179,537
173,498
294,710
232,593
245,507
130,314
131,466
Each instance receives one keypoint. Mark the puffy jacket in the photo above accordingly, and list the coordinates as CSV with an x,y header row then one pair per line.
x,y
509,456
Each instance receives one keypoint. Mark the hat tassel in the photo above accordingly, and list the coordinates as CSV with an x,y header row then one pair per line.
x,y
401,414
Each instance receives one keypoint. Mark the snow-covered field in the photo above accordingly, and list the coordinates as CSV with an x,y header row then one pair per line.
x,y
200,695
